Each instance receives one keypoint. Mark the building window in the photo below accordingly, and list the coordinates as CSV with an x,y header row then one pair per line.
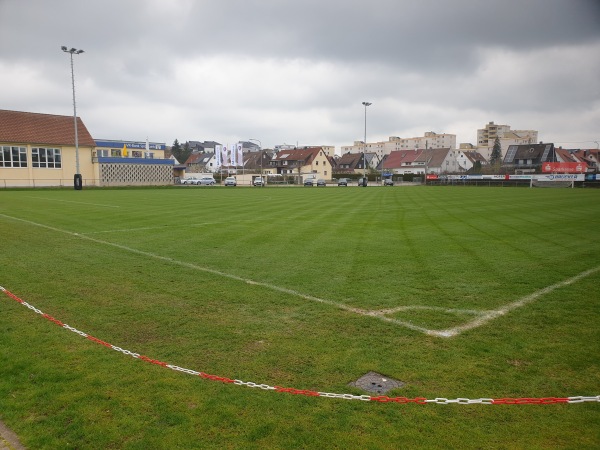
x,y
13,157
102,153
46,158
136,154
115,153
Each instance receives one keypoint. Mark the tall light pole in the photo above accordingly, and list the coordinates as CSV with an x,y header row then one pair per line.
x,y
365,146
77,178
261,161
382,168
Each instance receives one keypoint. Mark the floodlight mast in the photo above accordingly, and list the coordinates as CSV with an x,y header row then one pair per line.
x,y
365,145
77,178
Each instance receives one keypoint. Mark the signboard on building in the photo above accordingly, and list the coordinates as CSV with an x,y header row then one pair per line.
x,y
564,167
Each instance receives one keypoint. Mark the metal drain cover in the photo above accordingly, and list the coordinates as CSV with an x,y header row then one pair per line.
x,y
376,383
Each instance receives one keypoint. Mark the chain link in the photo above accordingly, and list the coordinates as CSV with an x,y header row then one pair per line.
x,y
181,369
580,399
254,385
33,308
125,352
364,398
309,393
483,401
75,330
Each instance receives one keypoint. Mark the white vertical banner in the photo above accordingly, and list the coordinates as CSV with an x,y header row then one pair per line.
x,y
240,154
224,155
232,154
218,155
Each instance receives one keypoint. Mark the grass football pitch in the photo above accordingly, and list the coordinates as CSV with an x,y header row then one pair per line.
x,y
457,292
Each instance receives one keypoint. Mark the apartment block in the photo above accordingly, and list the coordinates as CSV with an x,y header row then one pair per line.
x,y
487,135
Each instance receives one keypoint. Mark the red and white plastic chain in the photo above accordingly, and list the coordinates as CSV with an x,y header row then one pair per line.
x,y
306,392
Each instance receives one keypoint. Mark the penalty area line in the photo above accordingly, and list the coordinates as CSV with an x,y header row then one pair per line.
x,y
493,314
201,268
483,316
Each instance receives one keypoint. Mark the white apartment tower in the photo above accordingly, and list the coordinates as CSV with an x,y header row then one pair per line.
x,y
487,136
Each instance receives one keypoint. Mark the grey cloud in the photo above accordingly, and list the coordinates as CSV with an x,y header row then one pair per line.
x,y
299,70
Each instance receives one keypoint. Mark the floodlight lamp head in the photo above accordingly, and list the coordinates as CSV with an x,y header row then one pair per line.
x,y
367,103
63,48
79,51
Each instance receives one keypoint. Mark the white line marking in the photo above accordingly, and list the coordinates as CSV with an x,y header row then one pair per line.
x,y
383,312
123,230
161,227
484,316
72,201
490,315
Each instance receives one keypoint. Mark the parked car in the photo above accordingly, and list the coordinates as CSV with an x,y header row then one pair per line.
x,y
206,181
343,182
388,182
189,180
258,181
308,182
363,181
321,182
230,181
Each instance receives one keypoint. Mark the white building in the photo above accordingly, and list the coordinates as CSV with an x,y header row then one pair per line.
x,y
487,136
394,143
465,160
429,140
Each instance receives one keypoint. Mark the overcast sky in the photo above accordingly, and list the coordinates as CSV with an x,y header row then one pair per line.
x,y
296,72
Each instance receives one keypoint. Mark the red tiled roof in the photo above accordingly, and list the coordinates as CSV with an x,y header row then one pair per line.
x,y
195,158
397,158
34,128
306,155
565,155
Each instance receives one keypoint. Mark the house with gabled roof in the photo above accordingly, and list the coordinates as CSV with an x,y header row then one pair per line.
x,y
564,155
350,163
568,161
591,157
404,162
466,160
202,147
40,150
529,157
372,160
200,163
421,161
439,160
308,162
256,161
